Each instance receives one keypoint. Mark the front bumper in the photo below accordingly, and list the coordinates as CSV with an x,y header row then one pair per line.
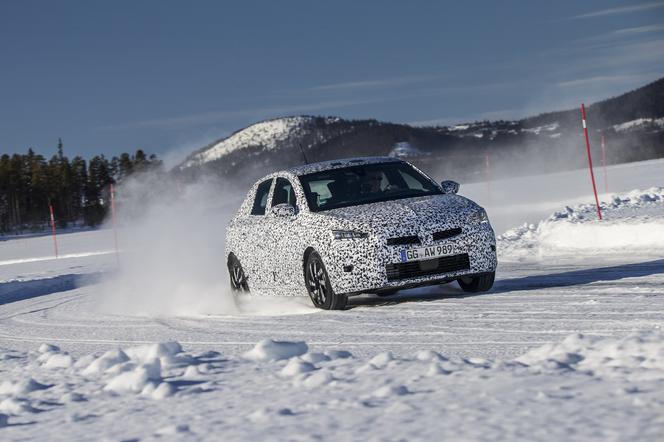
x,y
373,266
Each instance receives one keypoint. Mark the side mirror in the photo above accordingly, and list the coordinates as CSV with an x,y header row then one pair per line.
x,y
450,186
284,210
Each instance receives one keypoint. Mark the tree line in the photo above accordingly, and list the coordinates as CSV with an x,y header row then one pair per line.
x,y
78,190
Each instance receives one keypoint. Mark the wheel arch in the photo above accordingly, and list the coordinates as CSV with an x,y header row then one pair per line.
x,y
231,257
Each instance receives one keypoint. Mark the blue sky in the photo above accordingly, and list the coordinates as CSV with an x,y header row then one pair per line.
x,y
171,76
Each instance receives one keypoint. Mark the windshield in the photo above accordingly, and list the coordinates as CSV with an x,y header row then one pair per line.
x,y
371,183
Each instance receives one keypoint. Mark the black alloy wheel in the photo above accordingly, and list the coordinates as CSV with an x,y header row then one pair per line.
x,y
318,285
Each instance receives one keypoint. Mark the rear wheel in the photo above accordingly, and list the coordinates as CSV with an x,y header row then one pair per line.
x,y
479,283
318,285
238,278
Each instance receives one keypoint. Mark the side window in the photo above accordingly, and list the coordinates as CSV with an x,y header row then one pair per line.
x,y
260,202
284,193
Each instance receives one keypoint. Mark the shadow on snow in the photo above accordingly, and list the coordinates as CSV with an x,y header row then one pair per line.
x,y
12,291
533,282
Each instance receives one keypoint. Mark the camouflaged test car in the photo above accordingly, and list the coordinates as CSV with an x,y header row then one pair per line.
x,y
366,225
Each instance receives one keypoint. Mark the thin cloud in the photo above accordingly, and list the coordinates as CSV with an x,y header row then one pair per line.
x,y
270,111
640,55
620,10
638,30
366,84
609,38
605,79
216,116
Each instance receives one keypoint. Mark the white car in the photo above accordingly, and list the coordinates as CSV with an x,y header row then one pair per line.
x,y
365,225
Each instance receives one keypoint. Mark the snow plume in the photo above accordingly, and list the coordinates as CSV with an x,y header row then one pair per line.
x,y
171,237
172,263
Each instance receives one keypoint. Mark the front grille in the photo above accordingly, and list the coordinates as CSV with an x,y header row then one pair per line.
x,y
444,234
403,240
415,269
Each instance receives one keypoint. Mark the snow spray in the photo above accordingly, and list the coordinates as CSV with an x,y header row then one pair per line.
x,y
115,227
173,249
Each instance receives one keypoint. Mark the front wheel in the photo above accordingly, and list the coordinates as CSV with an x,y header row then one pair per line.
x,y
319,287
479,283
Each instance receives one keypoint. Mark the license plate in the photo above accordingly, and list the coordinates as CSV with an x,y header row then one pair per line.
x,y
430,252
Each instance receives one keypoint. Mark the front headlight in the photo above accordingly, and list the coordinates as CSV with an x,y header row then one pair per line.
x,y
479,217
349,234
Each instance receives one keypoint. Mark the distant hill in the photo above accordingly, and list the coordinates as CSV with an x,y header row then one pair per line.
x,y
632,124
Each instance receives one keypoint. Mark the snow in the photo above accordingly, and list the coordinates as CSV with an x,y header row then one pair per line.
x,y
297,366
547,128
601,388
266,134
639,356
628,125
404,149
567,346
513,201
59,361
270,350
109,359
632,223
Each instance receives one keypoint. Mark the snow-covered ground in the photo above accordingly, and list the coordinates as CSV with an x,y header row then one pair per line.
x,y
567,346
511,202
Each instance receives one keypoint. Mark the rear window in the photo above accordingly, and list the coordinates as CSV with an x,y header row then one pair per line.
x,y
260,201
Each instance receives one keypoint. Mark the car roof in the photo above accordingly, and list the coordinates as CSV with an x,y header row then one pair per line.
x,y
306,169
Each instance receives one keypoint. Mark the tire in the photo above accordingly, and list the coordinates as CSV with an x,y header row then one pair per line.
x,y
318,285
238,279
479,283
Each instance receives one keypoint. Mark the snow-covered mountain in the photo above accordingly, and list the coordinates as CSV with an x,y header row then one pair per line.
x,y
266,135
632,124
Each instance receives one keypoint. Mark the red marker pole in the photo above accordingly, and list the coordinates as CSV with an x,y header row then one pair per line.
x,y
55,241
115,229
606,186
590,160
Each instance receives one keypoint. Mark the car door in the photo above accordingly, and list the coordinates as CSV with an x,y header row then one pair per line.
x,y
284,234
255,235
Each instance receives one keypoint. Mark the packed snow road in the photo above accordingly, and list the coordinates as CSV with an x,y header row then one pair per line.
x,y
531,304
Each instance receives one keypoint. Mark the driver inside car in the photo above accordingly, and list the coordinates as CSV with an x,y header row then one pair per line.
x,y
371,183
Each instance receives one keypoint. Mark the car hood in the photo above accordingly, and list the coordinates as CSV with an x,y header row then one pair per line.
x,y
410,215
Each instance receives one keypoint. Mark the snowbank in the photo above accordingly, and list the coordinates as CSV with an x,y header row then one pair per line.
x,y
632,222
635,356
269,350
281,388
